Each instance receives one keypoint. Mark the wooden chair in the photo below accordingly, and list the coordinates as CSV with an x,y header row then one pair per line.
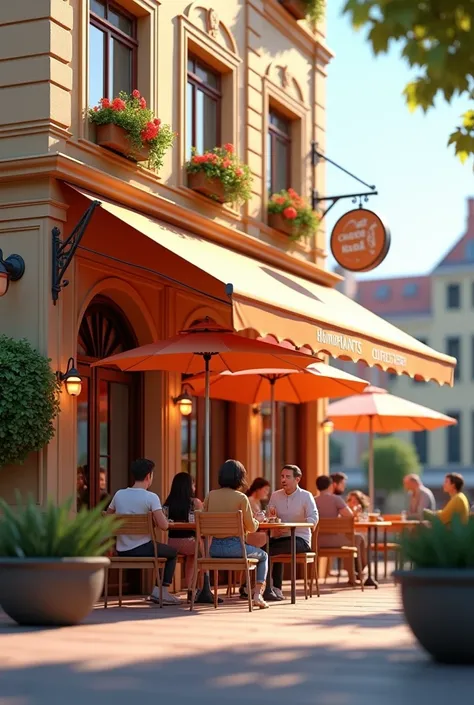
x,y
220,526
136,525
386,547
344,526
305,559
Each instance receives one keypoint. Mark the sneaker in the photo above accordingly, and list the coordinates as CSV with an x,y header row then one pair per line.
x,y
279,593
243,593
168,598
260,603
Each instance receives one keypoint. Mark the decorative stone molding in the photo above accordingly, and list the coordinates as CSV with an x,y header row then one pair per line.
x,y
284,79
205,17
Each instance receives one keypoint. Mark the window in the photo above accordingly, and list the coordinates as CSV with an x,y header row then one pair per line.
x,y
453,439
203,99
112,51
469,251
279,152
472,294
383,292
453,296
472,437
453,348
472,357
410,290
420,441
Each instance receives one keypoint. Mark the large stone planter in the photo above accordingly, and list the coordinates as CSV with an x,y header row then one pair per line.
x,y
212,188
278,222
439,610
50,591
115,138
297,8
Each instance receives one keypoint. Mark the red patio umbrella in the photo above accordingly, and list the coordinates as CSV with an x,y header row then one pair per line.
x,y
377,411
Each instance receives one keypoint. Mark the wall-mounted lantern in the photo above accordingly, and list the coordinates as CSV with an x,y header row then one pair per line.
x,y
71,378
11,269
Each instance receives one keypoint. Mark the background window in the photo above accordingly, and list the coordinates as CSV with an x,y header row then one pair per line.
x,y
453,348
453,296
453,439
112,51
383,292
279,153
410,290
469,251
420,441
203,101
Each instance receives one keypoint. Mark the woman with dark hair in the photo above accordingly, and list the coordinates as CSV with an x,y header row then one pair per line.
x,y
181,502
230,498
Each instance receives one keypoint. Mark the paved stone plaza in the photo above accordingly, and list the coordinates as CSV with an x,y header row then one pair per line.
x,y
347,648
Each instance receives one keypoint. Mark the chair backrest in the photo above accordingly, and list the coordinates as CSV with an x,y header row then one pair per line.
x,y
341,525
314,539
220,525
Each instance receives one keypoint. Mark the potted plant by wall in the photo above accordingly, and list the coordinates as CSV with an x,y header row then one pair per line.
x,y
29,400
300,9
437,591
219,175
127,126
51,563
292,215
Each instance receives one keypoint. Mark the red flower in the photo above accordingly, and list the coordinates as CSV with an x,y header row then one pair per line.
x,y
293,193
136,94
96,108
142,103
280,200
157,121
239,172
105,102
226,163
290,213
229,148
118,104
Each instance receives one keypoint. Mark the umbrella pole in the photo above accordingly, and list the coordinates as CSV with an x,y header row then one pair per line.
x,y
371,464
205,595
273,435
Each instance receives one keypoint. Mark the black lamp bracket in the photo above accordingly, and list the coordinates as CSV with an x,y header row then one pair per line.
x,y
64,250
14,266
316,199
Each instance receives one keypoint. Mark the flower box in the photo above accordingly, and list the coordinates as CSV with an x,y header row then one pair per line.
x,y
297,8
212,188
278,222
114,137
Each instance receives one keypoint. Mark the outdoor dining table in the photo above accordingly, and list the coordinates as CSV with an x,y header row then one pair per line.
x,y
372,528
265,526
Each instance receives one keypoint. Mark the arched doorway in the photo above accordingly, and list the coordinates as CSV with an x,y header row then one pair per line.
x,y
109,407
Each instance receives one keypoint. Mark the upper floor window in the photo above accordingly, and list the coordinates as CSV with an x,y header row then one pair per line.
x,y
112,51
420,441
453,348
469,251
204,98
453,296
279,152
410,290
453,439
382,293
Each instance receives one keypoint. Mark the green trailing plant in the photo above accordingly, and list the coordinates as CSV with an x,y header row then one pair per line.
x,y
393,459
440,546
139,122
29,400
315,9
222,163
28,531
295,211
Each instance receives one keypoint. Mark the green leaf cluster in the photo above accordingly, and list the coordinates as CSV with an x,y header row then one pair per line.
x,y
28,531
439,545
29,400
393,459
135,120
315,9
437,39
222,163
306,222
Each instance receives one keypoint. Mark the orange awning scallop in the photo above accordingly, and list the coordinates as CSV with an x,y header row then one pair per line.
x,y
275,303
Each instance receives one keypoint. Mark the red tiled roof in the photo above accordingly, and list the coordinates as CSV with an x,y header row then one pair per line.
x,y
398,295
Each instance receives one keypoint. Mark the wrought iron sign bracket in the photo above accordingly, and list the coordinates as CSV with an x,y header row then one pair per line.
x,y
64,251
316,199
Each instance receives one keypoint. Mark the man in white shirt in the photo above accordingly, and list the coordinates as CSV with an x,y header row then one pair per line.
x,y
291,503
138,500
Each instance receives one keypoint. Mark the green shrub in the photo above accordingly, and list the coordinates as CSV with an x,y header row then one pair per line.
x,y
28,531
393,459
315,9
440,546
29,400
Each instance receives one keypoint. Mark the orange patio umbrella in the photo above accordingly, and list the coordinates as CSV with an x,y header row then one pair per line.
x,y
207,346
377,411
254,386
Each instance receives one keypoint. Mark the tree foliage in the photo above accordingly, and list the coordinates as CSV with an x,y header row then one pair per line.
x,y
393,459
437,40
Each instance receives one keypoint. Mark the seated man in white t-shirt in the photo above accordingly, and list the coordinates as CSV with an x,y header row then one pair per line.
x,y
138,500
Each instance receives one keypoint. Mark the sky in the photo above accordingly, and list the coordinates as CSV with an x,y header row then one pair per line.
x,y
422,186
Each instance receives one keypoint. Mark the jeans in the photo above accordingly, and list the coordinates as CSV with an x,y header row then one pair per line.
x,y
283,545
231,548
164,551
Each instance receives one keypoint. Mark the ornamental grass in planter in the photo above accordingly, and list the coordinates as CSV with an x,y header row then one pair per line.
x,y
219,175
437,591
292,215
52,563
127,126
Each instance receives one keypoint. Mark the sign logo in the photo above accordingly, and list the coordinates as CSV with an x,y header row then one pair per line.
x,y
360,241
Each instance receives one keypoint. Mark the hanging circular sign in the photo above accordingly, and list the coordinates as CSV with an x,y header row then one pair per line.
x,y
360,241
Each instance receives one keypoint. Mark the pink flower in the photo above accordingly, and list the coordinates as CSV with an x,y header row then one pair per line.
x,y
290,213
280,200
142,103
136,94
105,102
229,148
118,104
226,163
239,172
